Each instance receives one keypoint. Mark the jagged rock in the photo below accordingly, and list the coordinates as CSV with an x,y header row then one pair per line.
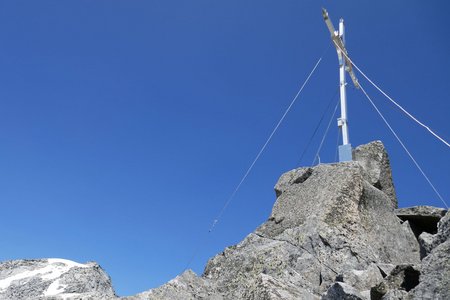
x,y
429,241
421,218
53,279
423,221
186,286
426,241
396,295
338,197
239,269
385,269
434,281
375,161
443,233
363,280
342,291
327,220
421,212
402,278
267,287
294,177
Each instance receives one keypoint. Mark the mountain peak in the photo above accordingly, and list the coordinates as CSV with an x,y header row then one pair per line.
x,y
334,233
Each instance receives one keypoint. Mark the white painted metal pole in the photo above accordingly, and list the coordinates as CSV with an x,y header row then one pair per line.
x,y
338,38
342,122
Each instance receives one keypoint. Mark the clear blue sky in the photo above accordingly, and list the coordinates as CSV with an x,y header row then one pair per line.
x,y
125,125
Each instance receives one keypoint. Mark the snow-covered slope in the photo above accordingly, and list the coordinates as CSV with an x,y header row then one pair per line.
x,y
53,278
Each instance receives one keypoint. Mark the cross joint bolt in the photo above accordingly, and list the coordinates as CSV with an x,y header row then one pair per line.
x,y
341,122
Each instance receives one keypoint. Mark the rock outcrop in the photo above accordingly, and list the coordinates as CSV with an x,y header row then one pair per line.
x,y
424,222
400,280
53,279
377,170
334,233
342,291
186,286
434,282
421,218
329,222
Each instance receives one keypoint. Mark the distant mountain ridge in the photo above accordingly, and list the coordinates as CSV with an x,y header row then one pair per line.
x,y
53,279
334,233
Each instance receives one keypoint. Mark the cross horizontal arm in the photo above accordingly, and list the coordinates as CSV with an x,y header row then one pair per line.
x,y
340,47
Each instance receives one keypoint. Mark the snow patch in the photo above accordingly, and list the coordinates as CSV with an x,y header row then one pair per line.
x,y
55,268
55,288
67,262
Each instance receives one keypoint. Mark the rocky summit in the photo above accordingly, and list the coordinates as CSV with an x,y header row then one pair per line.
x,y
335,232
53,279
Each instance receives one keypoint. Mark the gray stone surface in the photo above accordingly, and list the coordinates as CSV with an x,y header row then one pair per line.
x,y
375,160
385,269
187,286
402,278
421,218
421,211
363,280
327,221
396,295
434,280
342,291
338,197
429,241
267,287
443,233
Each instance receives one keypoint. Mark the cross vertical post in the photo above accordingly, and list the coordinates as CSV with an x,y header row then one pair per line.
x,y
345,150
338,38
